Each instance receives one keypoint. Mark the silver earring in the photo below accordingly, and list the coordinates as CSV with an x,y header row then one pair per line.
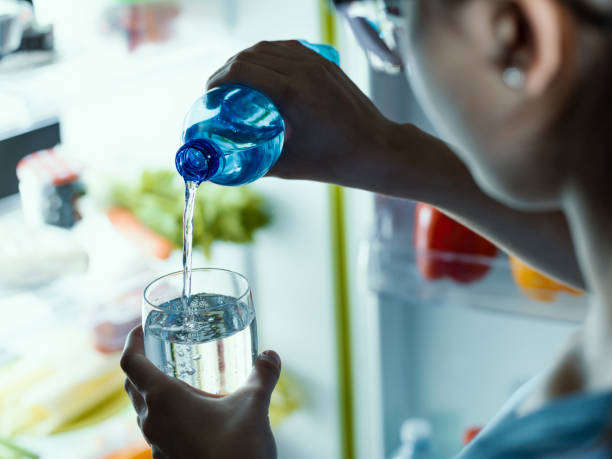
x,y
514,78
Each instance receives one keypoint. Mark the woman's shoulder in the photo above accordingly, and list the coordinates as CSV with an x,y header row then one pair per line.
x,y
577,426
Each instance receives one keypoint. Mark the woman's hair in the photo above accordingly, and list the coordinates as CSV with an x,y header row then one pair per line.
x,y
595,12
586,119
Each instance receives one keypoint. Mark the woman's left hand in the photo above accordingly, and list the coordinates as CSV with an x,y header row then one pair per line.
x,y
181,422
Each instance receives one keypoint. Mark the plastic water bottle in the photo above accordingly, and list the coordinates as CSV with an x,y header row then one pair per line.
x,y
234,134
417,443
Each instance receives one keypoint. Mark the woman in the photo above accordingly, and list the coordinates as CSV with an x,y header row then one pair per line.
x,y
522,91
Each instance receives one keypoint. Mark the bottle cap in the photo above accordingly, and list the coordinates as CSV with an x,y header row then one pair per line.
x,y
198,161
416,432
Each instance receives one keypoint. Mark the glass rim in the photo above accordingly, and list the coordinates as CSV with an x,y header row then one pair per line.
x,y
194,270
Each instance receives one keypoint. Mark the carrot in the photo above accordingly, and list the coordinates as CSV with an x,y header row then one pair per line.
x,y
132,452
149,242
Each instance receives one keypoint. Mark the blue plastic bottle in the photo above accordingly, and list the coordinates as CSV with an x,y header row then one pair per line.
x,y
234,134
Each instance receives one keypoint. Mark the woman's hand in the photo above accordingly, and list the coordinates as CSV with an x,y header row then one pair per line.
x,y
333,129
181,422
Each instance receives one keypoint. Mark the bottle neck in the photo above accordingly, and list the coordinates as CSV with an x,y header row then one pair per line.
x,y
198,161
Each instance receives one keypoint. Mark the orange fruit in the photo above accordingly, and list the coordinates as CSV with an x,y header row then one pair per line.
x,y
132,452
537,286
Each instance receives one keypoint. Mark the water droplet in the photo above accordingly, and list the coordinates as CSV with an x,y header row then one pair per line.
x,y
190,371
197,357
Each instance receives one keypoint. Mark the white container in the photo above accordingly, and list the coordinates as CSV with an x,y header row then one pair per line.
x,y
49,185
417,443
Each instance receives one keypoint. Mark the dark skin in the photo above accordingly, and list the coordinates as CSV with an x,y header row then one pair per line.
x,y
356,146
181,422
500,184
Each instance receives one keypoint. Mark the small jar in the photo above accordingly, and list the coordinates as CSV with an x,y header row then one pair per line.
x,y
50,186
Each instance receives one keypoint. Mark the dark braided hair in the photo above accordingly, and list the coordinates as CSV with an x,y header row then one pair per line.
x,y
586,119
595,12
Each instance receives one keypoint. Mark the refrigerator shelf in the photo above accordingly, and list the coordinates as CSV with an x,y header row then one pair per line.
x,y
393,273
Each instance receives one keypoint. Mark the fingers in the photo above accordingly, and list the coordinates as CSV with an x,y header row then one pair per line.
x,y
250,55
158,453
137,400
289,49
140,371
267,66
247,73
265,374
281,63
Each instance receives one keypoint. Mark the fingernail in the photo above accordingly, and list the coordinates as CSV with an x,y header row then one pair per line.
x,y
271,357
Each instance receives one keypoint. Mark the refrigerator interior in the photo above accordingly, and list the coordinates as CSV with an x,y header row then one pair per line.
x,y
121,113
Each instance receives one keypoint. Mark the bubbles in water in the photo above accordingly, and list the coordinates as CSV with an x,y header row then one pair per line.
x,y
195,356
207,321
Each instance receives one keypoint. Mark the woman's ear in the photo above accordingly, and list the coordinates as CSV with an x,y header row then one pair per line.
x,y
530,41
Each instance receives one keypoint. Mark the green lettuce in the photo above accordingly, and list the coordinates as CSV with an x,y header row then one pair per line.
x,y
231,214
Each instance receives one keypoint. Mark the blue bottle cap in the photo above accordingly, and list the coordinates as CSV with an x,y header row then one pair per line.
x,y
198,160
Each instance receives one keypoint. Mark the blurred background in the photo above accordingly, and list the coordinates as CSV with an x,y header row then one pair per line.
x,y
376,331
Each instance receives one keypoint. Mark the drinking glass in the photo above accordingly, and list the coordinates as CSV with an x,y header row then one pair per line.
x,y
209,341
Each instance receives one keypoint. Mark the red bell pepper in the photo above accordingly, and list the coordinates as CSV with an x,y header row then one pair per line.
x,y
446,248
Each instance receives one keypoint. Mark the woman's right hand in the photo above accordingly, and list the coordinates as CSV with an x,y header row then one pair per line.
x,y
332,128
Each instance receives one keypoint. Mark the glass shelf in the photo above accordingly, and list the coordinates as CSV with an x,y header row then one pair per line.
x,y
393,273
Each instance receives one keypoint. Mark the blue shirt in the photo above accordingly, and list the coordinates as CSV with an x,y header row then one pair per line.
x,y
575,427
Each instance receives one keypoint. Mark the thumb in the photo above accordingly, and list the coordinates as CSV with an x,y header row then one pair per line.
x,y
265,374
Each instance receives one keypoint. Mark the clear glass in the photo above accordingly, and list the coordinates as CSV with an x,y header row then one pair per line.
x,y
210,344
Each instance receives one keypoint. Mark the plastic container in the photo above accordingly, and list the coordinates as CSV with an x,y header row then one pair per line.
x,y
32,257
417,441
114,320
234,134
50,186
